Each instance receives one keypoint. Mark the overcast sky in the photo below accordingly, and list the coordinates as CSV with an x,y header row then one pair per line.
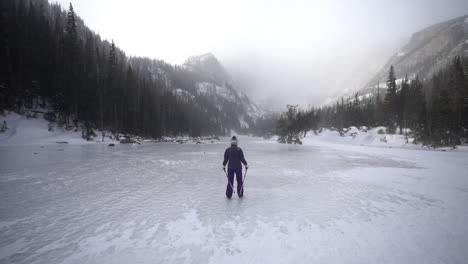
x,y
284,51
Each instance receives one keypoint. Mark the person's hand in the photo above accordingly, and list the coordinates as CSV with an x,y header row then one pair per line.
x,y
246,167
224,168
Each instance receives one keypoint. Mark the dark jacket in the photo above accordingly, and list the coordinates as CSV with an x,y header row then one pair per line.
x,y
235,156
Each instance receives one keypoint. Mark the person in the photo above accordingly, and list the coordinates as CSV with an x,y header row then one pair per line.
x,y
235,157
4,126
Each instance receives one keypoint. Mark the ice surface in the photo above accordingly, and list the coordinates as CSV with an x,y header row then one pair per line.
x,y
165,203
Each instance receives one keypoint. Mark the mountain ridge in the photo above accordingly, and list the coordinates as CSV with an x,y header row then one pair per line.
x,y
90,80
427,52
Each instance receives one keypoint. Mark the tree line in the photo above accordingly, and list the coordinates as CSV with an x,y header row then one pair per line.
x,y
434,110
49,54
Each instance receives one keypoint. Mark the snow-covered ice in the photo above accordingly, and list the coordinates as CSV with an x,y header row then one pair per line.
x,y
165,203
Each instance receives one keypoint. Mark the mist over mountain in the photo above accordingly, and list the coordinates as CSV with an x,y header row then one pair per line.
x,y
208,67
214,83
306,52
273,83
427,52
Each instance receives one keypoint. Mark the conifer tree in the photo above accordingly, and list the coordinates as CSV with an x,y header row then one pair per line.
x,y
379,111
401,104
390,100
71,56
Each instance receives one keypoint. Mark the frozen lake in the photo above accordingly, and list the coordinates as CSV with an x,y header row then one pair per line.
x,y
156,203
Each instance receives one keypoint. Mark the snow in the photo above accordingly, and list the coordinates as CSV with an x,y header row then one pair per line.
x,y
206,88
243,123
35,131
200,59
183,95
328,201
363,137
220,94
365,96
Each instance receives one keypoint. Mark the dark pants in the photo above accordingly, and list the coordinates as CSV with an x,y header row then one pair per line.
x,y
238,172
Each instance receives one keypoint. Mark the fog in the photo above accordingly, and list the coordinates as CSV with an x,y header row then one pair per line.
x,y
279,52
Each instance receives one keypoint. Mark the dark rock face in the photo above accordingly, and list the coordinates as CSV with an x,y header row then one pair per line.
x,y
208,68
215,84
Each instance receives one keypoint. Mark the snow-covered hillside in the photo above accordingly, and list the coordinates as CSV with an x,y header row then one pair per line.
x,y
215,83
427,52
203,81
38,131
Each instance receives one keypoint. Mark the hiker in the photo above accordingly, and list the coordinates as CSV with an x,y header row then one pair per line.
x,y
4,126
234,156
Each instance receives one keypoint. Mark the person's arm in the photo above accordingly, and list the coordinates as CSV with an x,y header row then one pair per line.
x,y
226,158
242,158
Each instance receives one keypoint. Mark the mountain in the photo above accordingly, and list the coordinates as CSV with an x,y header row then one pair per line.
x,y
214,82
50,54
427,52
204,82
209,68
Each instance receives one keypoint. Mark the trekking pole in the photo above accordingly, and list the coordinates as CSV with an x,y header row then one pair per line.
x,y
229,182
243,181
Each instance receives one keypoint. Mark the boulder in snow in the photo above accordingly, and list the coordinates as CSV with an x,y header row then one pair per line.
x,y
363,129
352,131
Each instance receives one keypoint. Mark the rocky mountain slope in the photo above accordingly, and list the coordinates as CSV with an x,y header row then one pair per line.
x,y
427,52
203,81
215,84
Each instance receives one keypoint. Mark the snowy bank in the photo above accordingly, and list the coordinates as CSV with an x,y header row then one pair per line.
x,y
28,130
23,130
374,137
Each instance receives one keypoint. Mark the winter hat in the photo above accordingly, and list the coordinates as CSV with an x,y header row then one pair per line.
x,y
234,141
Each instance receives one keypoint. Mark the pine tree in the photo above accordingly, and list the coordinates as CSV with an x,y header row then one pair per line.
x,y
465,98
455,86
390,101
72,35
289,126
415,110
111,95
379,111
401,104
71,57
